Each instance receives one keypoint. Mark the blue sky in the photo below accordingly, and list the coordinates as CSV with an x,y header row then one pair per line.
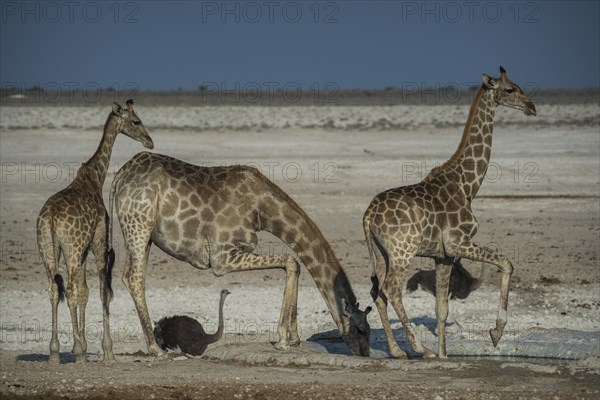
x,y
354,44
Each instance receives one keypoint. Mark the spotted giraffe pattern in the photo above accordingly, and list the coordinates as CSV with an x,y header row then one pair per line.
x,y
74,221
433,218
209,217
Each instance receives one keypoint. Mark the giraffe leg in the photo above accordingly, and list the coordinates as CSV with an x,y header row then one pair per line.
x,y
476,253
288,326
54,343
135,276
50,253
232,259
381,300
82,300
395,350
395,296
74,269
443,269
127,270
99,249
392,288
136,233
291,294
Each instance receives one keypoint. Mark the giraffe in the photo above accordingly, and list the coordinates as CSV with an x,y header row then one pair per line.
x,y
433,219
208,217
73,222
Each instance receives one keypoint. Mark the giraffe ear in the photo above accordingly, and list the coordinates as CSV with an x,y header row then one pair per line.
x,y
117,109
489,82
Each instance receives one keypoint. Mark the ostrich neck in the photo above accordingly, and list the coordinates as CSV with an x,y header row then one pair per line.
x,y
219,333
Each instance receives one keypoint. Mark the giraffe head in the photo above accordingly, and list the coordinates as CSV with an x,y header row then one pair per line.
x,y
358,329
130,124
508,93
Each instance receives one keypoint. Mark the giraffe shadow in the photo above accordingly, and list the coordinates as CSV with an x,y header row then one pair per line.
x,y
65,358
333,343
378,341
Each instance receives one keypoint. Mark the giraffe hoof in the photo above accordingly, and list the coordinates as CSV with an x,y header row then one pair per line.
x,y
282,346
295,343
156,351
54,358
399,354
160,355
495,335
428,354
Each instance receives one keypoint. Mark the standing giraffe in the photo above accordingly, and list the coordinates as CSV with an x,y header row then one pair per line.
x,y
209,217
433,218
73,222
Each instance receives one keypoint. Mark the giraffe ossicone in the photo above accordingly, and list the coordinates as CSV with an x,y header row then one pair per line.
x,y
433,218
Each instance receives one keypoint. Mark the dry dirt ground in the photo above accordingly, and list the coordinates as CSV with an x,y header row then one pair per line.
x,y
141,377
539,205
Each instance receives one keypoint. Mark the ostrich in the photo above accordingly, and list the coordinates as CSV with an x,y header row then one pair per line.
x,y
462,283
186,334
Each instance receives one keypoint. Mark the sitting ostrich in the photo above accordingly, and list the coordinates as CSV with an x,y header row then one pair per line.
x,y
462,283
186,334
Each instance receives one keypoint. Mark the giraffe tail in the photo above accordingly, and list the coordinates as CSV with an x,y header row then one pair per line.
x,y
61,287
369,239
109,256
109,262
50,250
111,201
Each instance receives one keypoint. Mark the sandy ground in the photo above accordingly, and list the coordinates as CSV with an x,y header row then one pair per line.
x,y
539,205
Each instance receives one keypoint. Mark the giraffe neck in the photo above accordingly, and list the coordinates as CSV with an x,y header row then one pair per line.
x,y
471,158
475,156
304,237
96,167
329,277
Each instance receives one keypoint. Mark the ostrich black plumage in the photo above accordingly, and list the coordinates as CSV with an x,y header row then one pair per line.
x,y
186,334
462,283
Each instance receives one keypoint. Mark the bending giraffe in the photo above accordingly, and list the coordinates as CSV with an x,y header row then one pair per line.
x,y
433,218
209,217
73,222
